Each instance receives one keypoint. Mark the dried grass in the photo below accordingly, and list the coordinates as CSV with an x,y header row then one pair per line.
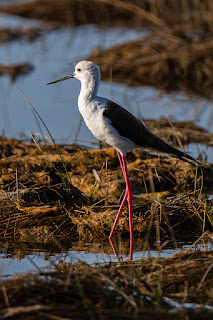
x,y
32,195
38,223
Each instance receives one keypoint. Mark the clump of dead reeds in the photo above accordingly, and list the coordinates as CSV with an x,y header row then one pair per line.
x,y
165,219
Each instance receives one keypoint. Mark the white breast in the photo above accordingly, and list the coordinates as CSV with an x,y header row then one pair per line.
x,y
92,112
101,127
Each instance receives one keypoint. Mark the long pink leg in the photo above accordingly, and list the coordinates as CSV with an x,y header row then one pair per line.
x,y
122,203
120,160
128,197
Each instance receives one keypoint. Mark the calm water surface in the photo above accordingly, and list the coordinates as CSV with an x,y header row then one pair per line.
x,y
41,261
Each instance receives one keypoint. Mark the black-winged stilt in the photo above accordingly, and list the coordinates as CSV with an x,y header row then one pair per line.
x,y
114,125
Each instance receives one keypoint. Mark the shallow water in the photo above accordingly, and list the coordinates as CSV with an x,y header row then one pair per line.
x,y
93,253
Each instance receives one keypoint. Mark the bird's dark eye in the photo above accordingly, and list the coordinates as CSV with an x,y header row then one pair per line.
x,y
79,70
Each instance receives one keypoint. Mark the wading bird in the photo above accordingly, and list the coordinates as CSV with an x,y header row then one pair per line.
x,y
114,125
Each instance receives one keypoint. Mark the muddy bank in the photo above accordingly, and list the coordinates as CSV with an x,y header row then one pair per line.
x,y
37,204
147,288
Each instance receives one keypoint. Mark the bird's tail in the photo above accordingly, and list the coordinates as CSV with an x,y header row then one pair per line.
x,y
162,146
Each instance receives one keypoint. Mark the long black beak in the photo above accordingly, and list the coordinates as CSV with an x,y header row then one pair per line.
x,y
62,79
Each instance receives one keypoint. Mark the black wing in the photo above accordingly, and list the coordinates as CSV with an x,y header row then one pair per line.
x,y
130,127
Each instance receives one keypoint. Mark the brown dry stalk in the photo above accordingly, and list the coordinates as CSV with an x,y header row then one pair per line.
x,y
136,10
129,299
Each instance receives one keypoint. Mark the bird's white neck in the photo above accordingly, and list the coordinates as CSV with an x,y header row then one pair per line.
x,y
89,89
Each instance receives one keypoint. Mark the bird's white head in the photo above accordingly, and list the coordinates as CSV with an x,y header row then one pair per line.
x,y
85,71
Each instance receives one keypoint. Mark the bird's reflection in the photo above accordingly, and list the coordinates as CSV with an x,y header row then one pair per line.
x,y
115,251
